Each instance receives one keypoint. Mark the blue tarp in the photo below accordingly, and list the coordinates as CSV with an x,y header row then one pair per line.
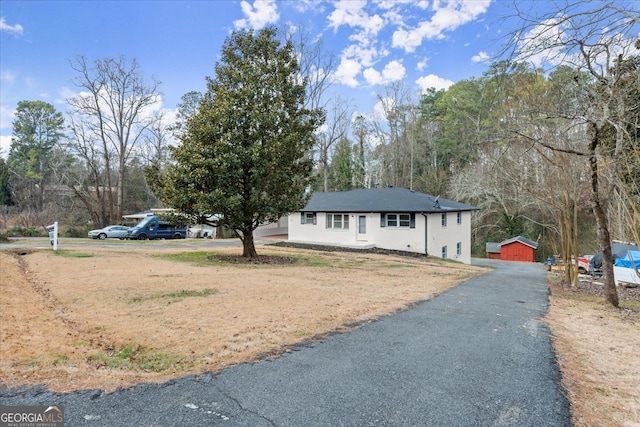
x,y
629,260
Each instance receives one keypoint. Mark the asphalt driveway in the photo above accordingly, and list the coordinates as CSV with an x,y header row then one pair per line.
x,y
477,355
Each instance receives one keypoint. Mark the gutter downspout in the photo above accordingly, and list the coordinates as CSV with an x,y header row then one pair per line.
x,y
426,233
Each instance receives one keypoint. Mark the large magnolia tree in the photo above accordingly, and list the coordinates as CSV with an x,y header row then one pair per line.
x,y
243,157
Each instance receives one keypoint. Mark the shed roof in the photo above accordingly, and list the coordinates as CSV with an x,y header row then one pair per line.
x,y
522,240
493,248
382,200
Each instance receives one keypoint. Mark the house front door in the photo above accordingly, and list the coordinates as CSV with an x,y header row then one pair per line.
x,y
362,227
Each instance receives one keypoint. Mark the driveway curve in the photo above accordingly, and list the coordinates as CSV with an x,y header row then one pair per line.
x,y
477,355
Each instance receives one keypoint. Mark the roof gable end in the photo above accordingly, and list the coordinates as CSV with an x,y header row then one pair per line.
x,y
522,240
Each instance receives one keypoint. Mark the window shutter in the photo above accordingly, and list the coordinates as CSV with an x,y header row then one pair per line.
x,y
315,218
302,218
383,220
412,221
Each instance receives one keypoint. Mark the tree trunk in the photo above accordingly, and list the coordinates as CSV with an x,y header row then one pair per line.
x,y
610,291
248,244
604,239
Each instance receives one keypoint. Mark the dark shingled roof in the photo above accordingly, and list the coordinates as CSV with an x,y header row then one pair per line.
x,y
520,239
389,199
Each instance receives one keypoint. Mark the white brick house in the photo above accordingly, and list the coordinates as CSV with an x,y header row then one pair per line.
x,y
388,218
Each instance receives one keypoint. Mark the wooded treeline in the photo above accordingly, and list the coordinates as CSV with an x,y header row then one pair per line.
x,y
519,142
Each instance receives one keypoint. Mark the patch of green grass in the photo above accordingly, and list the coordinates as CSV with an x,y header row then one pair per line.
x,y
72,254
175,295
134,357
61,360
630,305
199,258
208,258
157,361
396,265
317,261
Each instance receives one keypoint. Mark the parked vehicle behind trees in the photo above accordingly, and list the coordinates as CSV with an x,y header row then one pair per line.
x,y
152,228
111,232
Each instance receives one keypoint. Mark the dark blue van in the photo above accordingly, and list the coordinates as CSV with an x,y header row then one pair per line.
x,y
152,228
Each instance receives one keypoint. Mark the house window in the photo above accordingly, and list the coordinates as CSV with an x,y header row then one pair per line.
x,y
444,220
459,248
444,252
308,218
338,221
459,218
398,220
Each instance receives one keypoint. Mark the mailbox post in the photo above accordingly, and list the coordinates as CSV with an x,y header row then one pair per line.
x,y
53,235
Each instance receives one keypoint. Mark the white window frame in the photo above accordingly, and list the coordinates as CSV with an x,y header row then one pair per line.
x,y
444,252
398,221
337,221
309,218
459,220
459,248
443,220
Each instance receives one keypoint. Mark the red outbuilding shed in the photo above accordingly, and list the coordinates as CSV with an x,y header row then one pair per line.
x,y
493,250
518,249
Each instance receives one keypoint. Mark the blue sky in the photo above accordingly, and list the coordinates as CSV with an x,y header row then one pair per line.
x,y
422,43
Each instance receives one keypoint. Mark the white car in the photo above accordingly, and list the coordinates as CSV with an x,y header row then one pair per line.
x,y
111,232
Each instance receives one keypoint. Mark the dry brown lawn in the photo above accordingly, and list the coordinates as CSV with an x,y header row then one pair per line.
x,y
598,350
118,317
108,318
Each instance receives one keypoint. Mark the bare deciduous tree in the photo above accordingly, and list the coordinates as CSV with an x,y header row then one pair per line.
x,y
595,39
334,130
111,114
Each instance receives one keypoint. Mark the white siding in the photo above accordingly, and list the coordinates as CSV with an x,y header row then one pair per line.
x,y
449,236
396,238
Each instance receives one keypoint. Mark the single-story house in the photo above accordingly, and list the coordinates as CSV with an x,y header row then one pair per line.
x,y
387,218
518,249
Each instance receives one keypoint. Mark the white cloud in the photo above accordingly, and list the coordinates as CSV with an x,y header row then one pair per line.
x,y
542,44
433,81
5,145
7,114
372,76
480,57
365,55
7,76
421,65
381,107
447,17
347,71
348,12
15,29
262,13
304,6
392,72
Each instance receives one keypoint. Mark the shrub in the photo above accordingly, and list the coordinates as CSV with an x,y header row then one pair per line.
x,y
22,231
76,232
